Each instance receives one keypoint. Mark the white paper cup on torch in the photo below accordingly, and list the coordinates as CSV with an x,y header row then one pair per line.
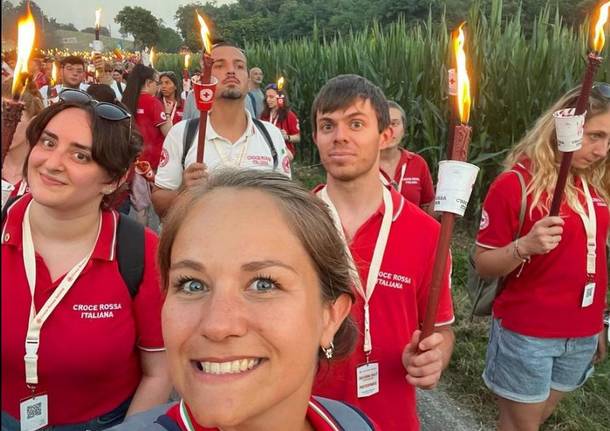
x,y
455,182
569,129
98,46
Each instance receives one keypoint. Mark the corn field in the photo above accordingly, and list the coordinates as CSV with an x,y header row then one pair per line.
x,y
514,77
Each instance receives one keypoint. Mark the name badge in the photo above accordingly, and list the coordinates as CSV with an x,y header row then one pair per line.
x,y
587,298
34,412
367,379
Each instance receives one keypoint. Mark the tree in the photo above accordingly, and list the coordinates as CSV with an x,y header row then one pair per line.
x,y
45,31
141,24
169,39
103,31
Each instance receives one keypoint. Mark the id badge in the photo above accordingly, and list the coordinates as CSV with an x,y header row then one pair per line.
x,y
367,379
587,298
34,412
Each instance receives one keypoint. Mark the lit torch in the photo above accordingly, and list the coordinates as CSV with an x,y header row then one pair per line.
x,y
98,15
455,181
595,60
12,108
51,89
205,88
152,57
280,94
185,71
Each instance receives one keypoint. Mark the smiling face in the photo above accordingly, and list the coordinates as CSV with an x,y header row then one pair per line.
x,y
243,317
61,172
231,70
595,143
349,140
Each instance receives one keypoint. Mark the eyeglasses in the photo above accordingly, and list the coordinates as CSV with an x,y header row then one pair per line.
x,y
105,110
602,88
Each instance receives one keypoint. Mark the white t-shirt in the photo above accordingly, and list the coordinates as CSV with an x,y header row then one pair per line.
x,y
249,151
44,92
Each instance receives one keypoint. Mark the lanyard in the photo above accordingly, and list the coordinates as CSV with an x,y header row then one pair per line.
x,y
228,161
375,265
590,224
32,339
403,169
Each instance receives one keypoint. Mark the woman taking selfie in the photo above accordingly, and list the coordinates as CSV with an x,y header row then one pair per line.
x,y
89,330
548,320
249,318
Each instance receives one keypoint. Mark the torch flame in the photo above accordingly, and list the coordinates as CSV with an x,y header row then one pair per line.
x,y
599,39
54,73
463,81
187,61
205,34
98,15
280,83
26,31
152,57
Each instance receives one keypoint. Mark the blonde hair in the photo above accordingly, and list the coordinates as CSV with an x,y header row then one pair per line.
x,y
540,146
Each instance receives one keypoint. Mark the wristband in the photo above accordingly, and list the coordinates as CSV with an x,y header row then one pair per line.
x,y
517,254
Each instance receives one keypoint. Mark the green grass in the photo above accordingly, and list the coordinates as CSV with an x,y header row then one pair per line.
x,y
586,409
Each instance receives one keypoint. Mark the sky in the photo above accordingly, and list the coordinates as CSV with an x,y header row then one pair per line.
x,y
81,13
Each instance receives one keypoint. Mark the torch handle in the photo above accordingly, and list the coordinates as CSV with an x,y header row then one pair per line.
x,y
581,107
438,271
203,123
11,115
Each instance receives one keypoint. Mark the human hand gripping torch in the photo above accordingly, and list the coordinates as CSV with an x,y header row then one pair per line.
x,y
455,181
569,123
12,108
205,89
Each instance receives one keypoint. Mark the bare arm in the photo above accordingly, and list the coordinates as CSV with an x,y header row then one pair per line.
x,y
542,238
155,386
162,199
164,127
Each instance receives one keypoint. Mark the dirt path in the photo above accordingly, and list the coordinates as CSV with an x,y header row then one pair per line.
x,y
438,412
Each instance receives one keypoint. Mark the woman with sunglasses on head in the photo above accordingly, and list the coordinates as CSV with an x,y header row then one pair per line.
x,y
548,320
250,318
277,111
170,95
94,350
408,172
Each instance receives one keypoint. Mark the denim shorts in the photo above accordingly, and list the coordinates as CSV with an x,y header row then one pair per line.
x,y
525,369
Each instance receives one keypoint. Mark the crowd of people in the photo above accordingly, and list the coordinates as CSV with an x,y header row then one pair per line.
x,y
263,305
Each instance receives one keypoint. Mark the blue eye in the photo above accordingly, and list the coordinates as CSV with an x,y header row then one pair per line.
x,y
263,284
189,285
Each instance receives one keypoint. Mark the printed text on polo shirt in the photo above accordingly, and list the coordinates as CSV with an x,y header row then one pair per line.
x,y
396,281
96,311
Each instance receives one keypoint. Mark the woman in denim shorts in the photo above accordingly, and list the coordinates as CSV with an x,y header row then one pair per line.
x,y
547,330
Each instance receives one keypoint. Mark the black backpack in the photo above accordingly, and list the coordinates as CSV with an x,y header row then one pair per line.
x,y
191,128
129,249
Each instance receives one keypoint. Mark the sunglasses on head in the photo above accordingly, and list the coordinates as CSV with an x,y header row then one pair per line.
x,y
602,88
105,110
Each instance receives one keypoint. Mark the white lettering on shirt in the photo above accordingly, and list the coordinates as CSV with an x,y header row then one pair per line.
x,y
96,311
395,281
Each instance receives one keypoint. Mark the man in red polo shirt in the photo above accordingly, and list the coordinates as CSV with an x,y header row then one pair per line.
x,y
393,244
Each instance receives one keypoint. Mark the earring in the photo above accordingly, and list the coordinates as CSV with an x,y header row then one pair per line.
x,y
108,190
328,351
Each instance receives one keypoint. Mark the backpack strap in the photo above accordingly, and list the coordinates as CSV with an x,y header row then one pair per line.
x,y
190,129
523,207
347,417
261,127
130,252
10,201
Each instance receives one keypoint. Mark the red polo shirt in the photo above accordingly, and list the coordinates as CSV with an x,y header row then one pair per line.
x,y
290,125
545,300
317,416
149,116
397,309
88,360
413,179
